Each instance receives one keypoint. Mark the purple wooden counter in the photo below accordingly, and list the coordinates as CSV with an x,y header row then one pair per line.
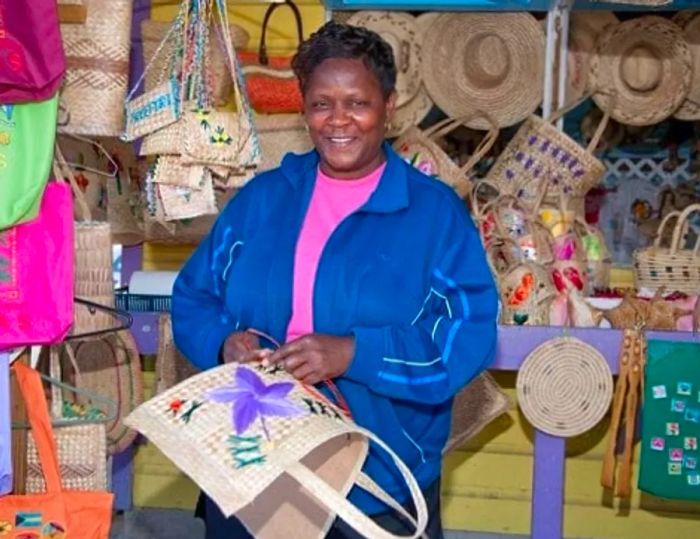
x,y
514,345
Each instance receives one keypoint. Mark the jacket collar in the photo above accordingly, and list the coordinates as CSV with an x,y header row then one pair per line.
x,y
390,195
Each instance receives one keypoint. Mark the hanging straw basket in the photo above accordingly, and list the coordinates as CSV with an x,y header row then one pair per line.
x,y
420,148
675,268
541,156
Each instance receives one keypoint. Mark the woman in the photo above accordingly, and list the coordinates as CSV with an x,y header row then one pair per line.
x,y
369,272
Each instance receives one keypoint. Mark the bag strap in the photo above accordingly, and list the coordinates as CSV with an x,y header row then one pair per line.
x,y
29,383
262,50
331,499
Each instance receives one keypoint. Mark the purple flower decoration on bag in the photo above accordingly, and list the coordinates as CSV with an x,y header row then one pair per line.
x,y
252,398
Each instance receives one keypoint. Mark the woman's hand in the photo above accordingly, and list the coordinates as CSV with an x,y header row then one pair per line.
x,y
315,357
242,347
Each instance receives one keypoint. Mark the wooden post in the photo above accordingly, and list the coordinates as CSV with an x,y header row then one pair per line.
x,y
19,436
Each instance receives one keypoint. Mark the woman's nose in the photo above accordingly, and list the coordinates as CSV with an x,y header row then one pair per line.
x,y
339,115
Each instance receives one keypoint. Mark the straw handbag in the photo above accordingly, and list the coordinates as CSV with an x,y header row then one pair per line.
x,y
526,295
81,441
171,366
541,155
56,512
270,82
269,449
97,74
420,149
674,267
279,134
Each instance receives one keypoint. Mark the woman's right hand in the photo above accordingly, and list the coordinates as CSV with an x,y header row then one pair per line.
x,y
243,347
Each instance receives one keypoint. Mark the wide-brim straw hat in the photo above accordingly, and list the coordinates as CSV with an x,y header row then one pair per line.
x,y
585,28
642,70
399,30
689,21
488,62
564,387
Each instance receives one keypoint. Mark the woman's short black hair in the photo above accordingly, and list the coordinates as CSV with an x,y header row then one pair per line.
x,y
335,40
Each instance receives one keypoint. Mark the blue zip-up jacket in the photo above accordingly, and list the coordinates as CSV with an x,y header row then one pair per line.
x,y
406,275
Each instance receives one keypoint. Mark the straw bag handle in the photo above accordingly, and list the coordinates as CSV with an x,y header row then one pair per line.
x,y
331,499
262,50
479,213
483,148
678,229
29,383
62,172
598,134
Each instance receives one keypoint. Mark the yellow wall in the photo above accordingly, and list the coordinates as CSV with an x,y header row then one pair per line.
x,y
487,485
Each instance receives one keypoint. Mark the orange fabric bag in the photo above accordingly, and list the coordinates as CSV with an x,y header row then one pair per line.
x,y
56,513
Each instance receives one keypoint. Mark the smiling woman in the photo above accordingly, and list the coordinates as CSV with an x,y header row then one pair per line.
x,y
370,274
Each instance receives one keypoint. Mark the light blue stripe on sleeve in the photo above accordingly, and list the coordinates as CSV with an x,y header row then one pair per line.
x,y
453,285
450,339
407,380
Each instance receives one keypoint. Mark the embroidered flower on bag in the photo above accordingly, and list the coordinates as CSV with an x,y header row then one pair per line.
x,y
202,116
5,527
251,399
53,530
220,137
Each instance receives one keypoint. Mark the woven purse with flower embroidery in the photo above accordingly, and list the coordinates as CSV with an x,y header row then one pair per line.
x,y
271,450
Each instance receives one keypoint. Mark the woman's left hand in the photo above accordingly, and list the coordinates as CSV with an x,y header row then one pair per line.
x,y
315,357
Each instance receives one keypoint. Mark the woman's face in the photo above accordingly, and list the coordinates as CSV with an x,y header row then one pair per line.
x,y
346,114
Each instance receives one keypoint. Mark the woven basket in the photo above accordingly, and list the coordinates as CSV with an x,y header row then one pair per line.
x,y
171,366
280,134
272,451
564,387
673,267
93,276
97,69
420,149
526,295
110,366
474,407
541,156
82,451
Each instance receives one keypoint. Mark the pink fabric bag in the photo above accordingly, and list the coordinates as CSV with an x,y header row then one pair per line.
x,y
36,273
31,52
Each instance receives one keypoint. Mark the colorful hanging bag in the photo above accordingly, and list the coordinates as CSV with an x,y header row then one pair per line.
x,y
272,86
27,134
31,54
56,512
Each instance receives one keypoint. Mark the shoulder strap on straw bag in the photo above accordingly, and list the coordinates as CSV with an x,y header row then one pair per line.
x,y
330,498
262,50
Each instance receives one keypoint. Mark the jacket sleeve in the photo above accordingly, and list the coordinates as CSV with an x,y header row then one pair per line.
x,y
200,320
450,342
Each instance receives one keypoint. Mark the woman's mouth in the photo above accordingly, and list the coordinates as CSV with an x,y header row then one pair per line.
x,y
340,141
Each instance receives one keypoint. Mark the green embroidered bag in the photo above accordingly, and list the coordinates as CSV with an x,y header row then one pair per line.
x,y
669,465
27,133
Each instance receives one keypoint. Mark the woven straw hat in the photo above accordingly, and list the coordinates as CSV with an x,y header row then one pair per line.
x,y
413,112
492,63
690,23
564,387
585,28
642,70
399,30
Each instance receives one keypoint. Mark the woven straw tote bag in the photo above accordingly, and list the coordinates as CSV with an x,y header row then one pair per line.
x,y
269,449
674,267
540,156
97,69
81,442
420,149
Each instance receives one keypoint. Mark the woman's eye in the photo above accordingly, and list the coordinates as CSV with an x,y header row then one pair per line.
x,y
319,105
358,103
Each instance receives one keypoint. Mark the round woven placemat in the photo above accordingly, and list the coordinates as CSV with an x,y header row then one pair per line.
x,y
564,387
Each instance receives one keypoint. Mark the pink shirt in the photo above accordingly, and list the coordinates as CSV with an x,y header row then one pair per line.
x,y
331,202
